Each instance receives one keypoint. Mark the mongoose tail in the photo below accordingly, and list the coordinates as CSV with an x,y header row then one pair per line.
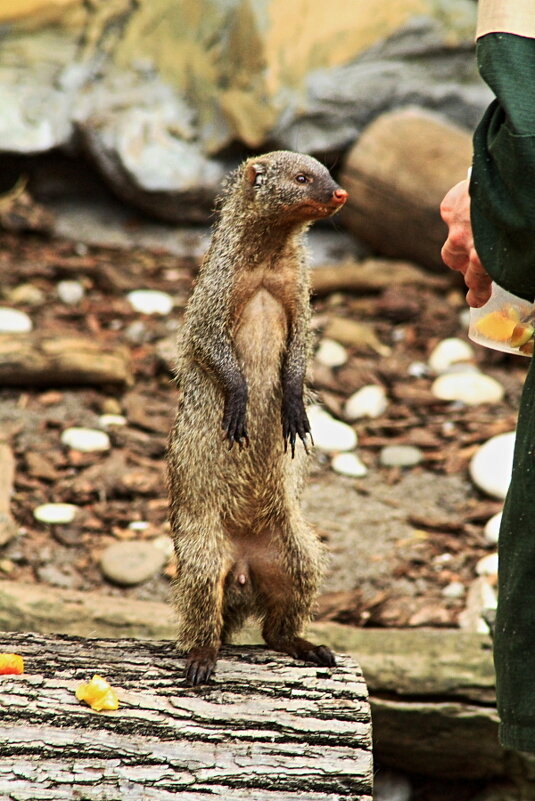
x,y
242,545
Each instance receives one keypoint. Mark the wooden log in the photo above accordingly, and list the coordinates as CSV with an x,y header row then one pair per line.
x,y
8,527
34,360
268,728
372,275
396,175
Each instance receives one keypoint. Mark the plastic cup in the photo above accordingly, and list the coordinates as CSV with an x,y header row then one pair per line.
x,y
504,323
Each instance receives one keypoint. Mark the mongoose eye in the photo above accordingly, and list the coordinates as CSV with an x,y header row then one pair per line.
x,y
303,179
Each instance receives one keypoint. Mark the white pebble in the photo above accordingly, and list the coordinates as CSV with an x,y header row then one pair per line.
x,y
85,439
13,321
400,456
481,596
455,589
110,420
55,513
492,528
165,544
492,464
418,369
331,353
349,464
151,301
138,525
448,352
468,387
330,434
368,401
70,292
488,565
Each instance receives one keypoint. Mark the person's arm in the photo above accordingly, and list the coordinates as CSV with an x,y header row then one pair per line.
x,y
494,235
502,186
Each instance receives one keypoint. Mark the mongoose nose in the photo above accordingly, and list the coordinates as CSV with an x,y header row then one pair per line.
x,y
340,196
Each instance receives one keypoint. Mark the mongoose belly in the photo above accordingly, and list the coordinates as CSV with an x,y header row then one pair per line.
x,y
260,339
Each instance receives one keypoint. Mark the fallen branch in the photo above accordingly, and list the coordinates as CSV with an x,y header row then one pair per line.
x,y
34,360
372,275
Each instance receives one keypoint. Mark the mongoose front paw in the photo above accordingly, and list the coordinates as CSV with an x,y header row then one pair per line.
x,y
295,422
234,416
200,664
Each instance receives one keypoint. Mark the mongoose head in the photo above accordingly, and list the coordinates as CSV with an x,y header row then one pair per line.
x,y
290,186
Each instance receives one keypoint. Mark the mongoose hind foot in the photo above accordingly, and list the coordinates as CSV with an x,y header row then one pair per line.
x,y
302,649
200,664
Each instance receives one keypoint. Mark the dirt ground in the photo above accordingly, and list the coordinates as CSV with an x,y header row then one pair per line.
x,y
397,537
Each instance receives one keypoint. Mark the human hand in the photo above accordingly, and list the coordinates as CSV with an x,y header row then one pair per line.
x,y
458,251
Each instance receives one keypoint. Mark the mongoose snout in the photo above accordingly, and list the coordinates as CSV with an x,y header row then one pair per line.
x,y
242,545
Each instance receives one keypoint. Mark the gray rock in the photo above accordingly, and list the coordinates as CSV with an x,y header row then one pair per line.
x,y
169,178
410,68
400,456
391,786
128,563
160,90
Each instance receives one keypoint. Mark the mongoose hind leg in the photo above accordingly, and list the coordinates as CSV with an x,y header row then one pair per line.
x,y
202,566
288,590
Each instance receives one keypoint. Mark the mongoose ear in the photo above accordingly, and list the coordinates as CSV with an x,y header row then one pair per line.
x,y
255,173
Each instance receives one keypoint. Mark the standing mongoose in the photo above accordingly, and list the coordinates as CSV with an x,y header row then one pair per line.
x,y
242,545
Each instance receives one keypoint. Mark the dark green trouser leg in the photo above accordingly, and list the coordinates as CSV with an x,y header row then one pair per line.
x,y
514,642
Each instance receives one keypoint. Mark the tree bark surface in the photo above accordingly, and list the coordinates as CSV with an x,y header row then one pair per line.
x,y
266,729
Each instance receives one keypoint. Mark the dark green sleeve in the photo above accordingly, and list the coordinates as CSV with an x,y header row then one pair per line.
x,y
502,186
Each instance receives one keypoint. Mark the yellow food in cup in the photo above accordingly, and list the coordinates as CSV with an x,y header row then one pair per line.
x,y
497,325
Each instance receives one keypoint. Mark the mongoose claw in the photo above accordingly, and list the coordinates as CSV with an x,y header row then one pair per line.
x,y
234,417
295,423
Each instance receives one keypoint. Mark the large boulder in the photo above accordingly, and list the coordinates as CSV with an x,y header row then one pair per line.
x,y
159,93
396,175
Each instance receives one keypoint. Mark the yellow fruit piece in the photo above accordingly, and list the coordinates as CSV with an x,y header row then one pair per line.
x,y
522,333
497,326
11,665
98,694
